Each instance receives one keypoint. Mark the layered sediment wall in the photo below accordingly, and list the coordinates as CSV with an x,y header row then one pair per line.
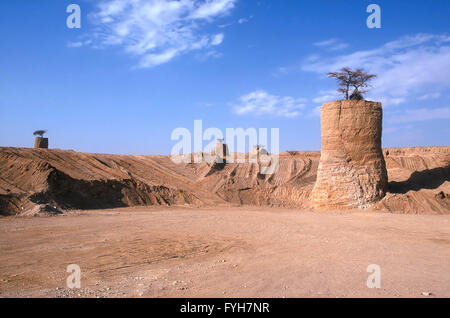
x,y
39,180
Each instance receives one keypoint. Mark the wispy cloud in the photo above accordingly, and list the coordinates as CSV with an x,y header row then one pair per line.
x,y
156,31
407,68
430,96
315,112
202,104
260,102
245,20
332,44
323,97
421,114
240,21
326,96
77,44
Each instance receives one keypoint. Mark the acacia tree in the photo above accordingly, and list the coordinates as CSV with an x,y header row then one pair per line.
x,y
39,133
355,80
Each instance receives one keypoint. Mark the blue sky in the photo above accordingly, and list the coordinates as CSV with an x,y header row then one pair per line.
x,y
136,70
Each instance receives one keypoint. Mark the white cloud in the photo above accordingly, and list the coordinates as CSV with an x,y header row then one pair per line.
x,y
260,102
225,25
245,20
315,112
203,104
217,39
407,68
421,114
332,44
78,44
211,8
240,21
430,96
156,31
326,96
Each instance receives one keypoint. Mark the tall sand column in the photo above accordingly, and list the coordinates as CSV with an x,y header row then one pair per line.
x,y
352,171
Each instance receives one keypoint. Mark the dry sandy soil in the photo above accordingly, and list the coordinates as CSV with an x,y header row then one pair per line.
x,y
143,226
225,252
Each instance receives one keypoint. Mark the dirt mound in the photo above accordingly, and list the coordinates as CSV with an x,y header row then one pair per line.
x,y
30,178
418,180
70,180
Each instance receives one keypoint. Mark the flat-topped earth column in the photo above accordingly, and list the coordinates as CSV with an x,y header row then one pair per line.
x,y
41,142
352,171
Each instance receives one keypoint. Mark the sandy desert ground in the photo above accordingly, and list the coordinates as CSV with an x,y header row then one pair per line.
x,y
225,252
143,226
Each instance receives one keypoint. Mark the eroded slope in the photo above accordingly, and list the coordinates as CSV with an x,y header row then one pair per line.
x,y
419,181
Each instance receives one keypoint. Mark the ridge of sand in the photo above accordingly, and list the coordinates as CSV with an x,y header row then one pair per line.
x,y
418,181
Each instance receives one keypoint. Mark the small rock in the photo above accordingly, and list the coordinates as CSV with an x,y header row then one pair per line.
x,y
427,293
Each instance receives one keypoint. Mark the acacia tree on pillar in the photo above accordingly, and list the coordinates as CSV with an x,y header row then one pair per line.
x,y
40,133
355,81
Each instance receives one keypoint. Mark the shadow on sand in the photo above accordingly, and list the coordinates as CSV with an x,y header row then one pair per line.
x,y
426,179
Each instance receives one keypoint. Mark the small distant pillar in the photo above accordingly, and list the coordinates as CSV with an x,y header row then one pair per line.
x,y
221,151
41,142
257,152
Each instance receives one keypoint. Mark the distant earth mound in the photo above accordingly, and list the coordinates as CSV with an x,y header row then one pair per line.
x,y
31,179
